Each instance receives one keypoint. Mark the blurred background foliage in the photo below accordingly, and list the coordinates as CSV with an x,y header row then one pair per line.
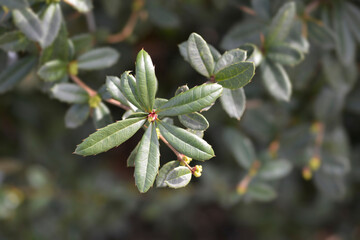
x,y
46,192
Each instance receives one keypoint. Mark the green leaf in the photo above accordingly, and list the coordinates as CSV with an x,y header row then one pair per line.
x,y
183,48
80,5
186,142
164,171
281,24
241,33
240,146
51,24
82,43
159,102
77,115
14,4
131,159
192,100
53,71
274,169
194,121
13,41
15,73
262,8
70,93
178,177
229,58
321,34
98,59
200,56
162,16
28,23
261,192
236,75
335,165
60,48
276,80
147,160
345,44
253,54
285,54
128,88
353,18
113,85
334,187
101,116
110,136
146,82
233,102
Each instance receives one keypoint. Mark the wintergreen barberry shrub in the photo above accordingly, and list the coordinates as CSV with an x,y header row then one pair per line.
x,y
282,40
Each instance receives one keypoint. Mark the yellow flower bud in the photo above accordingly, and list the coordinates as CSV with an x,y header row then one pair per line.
x,y
198,171
6,9
307,174
73,68
315,163
241,189
158,133
94,101
316,127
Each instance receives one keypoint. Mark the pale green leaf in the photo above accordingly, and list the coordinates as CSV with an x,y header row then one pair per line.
x,y
80,5
101,116
159,102
15,73
110,136
98,59
236,75
262,8
53,70
14,4
276,80
128,88
353,18
13,41
233,102
51,24
229,58
240,146
146,82
281,24
241,33
82,42
200,56
321,34
147,160
261,192
285,54
186,142
274,169
164,171
77,115
178,177
70,93
192,100
253,54
28,23
183,48
113,85
194,121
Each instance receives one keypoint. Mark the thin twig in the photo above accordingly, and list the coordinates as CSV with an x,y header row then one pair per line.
x,y
247,10
127,30
312,6
81,84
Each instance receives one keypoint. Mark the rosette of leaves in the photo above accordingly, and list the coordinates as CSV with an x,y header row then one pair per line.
x,y
281,44
148,112
230,69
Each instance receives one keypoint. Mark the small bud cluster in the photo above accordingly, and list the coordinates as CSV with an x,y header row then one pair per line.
x,y
73,68
185,159
152,116
94,101
306,172
313,165
197,170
